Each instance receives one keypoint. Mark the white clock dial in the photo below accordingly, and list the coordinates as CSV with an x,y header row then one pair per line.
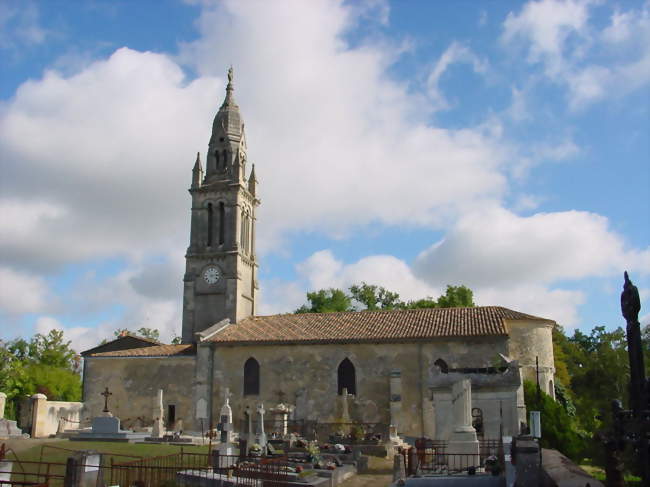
x,y
211,275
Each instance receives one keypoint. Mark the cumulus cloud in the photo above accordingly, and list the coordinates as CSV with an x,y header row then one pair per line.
x,y
323,270
496,247
22,292
102,154
557,35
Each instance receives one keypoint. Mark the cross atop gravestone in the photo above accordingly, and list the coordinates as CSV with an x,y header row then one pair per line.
x,y
106,393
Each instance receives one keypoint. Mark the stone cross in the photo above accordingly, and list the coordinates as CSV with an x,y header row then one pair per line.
x,y
106,393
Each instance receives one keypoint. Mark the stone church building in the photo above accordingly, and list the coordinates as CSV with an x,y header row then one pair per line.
x,y
396,366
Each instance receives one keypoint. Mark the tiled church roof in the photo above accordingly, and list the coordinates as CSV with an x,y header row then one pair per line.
x,y
371,326
155,351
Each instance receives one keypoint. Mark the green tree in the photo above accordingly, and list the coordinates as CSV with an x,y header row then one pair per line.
x,y
44,364
151,333
375,297
559,430
456,297
326,301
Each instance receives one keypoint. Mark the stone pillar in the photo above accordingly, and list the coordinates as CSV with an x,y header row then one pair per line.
x,y
39,416
396,400
158,429
261,438
250,437
3,401
463,439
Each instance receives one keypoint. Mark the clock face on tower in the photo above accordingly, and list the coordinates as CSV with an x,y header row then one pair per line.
x,y
211,275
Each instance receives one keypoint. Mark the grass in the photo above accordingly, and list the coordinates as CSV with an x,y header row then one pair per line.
x,y
599,474
57,452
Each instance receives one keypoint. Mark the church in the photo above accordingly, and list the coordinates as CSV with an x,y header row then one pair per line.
x,y
393,367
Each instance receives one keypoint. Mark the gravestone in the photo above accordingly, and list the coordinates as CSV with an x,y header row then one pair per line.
x,y
226,446
463,440
281,415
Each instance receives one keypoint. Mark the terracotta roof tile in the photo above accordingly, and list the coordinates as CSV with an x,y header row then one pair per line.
x,y
155,351
371,326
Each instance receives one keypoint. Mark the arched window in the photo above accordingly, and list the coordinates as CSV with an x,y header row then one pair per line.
x,y
442,365
216,157
551,389
210,220
222,223
225,159
251,377
347,377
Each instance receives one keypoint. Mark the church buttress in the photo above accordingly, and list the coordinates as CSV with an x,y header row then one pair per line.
x,y
220,279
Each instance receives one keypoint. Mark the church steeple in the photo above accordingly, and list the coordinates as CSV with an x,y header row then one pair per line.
x,y
227,142
220,280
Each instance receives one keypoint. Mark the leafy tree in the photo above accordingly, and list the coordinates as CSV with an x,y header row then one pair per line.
x,y
326,301
375,297
559,430
456,297
372,297
44,364
151,333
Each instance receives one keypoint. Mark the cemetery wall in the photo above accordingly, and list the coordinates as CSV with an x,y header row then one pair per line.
x,y
51,417
307,376
528,340
134,384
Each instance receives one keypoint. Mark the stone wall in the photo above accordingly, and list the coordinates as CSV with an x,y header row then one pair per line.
x,y
134,384
51,417
307,377
528,340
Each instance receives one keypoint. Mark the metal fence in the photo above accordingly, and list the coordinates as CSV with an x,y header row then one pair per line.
x,y
433,457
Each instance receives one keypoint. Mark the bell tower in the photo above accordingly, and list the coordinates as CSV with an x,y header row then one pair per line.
x,y
220,279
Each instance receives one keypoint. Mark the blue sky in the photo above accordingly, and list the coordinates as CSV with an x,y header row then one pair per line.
x,y
500,145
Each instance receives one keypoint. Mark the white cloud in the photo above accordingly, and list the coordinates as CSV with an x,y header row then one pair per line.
x,y
455,53
592,64
560,305
323,270
22,292
20,25
497,248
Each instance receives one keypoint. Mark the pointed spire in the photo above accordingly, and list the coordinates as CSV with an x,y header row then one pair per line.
x,y
229,100
197,172
252,182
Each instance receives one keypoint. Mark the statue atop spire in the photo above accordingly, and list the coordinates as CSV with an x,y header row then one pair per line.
x,y
229,100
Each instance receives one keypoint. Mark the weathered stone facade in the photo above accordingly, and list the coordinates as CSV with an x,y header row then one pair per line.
x,y
400,365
